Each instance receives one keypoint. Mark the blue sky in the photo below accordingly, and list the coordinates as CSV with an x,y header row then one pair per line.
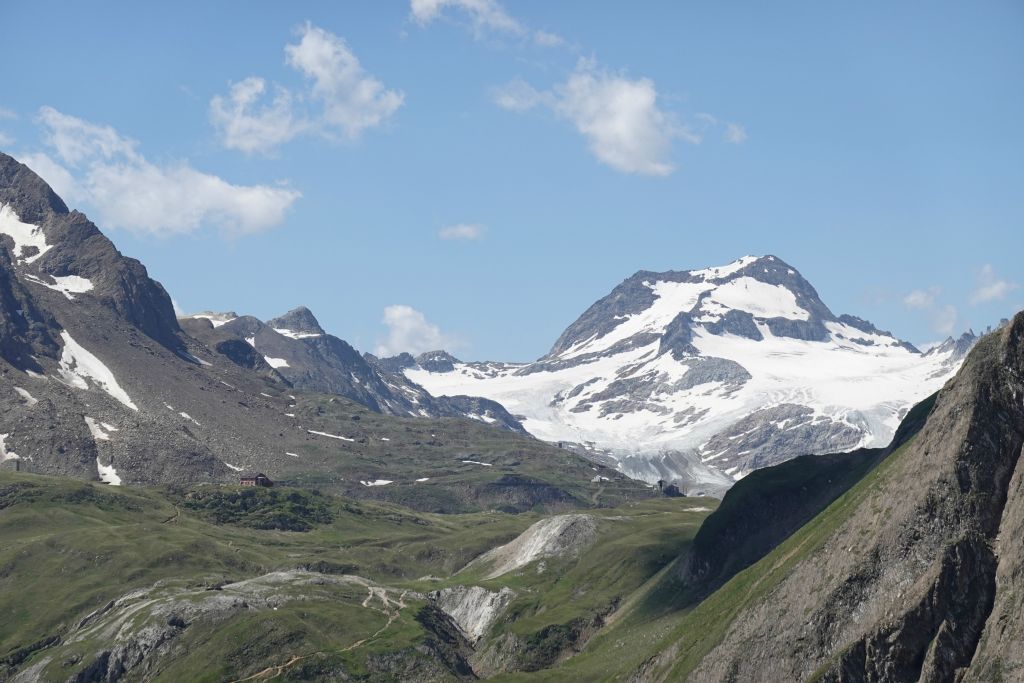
x,y
475,174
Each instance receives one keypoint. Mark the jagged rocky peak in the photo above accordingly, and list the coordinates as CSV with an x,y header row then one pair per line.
x,y
297,323
957,348
437,361
26,193
392,364
64,251
723,299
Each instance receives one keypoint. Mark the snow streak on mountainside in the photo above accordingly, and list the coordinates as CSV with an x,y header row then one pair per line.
x,y
701,374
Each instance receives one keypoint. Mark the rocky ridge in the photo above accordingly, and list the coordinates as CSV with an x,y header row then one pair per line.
x,y
917,576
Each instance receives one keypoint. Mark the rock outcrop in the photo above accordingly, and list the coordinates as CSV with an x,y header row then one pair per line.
x,y
915,573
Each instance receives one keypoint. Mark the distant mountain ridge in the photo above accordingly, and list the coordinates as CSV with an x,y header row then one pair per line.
x,y
706,375
306,357
99,380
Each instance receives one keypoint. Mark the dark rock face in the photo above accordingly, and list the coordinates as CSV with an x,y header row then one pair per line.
x,y
630,297
786,428
33,199
437,361
919,575
241,354
79,248
25,331
394,365
300,320
735,322
635,393
316,361
678,338
785,497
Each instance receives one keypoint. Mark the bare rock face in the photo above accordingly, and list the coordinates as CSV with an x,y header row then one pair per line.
x,y
473,608
558,536
76,247
921,578
25,331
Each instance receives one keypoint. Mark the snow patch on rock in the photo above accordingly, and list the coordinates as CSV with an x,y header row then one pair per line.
x,y
98,429
330,436
217,319
28,398
68,285
108,475
25,235
296,335
77,365
6,454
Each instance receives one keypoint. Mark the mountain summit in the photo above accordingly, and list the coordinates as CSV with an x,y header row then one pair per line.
x,y
64,251
708,374
297,323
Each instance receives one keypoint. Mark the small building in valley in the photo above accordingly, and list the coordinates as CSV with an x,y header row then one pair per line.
x,y
254,479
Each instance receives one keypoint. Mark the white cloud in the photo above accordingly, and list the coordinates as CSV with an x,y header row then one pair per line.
x,y
484,15
250,128
990,287
921,298
100,167
353,100
77,141
619,117
462,231
349,100
706,119
518,95
547,39
409,330
945,319
735,134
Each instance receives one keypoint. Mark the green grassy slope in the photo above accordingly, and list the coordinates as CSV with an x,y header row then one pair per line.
x,y
668,640
70,548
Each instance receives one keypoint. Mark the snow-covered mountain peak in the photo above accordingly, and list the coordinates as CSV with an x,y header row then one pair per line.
x,y
708,374
751,297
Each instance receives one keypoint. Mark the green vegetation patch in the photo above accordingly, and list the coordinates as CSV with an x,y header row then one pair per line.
x,y
257,507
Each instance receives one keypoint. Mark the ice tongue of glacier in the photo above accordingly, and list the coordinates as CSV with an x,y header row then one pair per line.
x,y
706,375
